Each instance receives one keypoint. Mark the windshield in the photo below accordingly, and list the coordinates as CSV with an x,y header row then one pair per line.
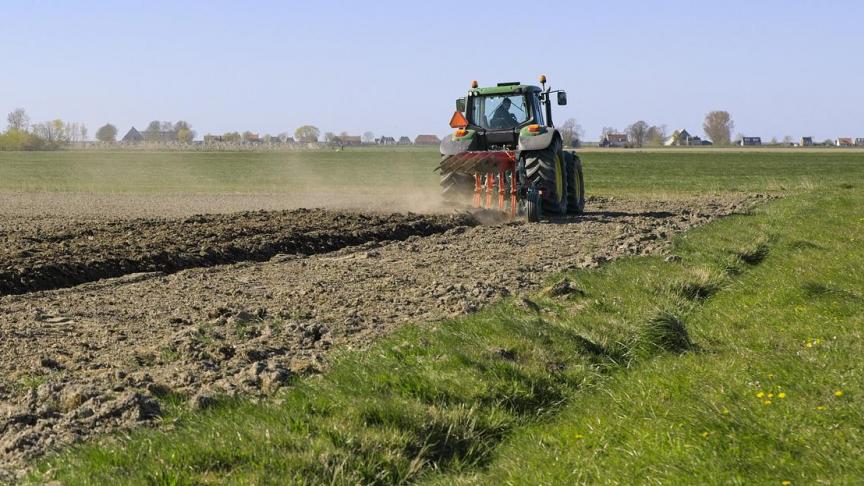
x,y
498,112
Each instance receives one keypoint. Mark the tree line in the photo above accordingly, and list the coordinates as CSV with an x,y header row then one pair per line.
x,y
20,134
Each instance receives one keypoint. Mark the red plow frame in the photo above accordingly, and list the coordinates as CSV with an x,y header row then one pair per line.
x,y
493,167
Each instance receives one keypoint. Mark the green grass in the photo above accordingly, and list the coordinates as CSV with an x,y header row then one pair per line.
x,y
656,372
620,172
758,403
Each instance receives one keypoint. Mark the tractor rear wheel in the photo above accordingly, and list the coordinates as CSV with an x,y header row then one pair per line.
x,y
545,170
457,187
575,184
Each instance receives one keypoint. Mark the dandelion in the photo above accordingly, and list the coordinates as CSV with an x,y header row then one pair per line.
x,y
838,393
786,483
725,411
781,395
820,407
706,434
760,394
767,402
770,395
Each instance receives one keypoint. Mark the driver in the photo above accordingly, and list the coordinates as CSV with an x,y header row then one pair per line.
x,y
502,118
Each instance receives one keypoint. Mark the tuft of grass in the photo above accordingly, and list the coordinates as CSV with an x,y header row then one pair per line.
x,y
754,255
666,332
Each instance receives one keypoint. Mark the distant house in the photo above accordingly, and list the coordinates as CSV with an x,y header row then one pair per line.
x,y
844,142
249,137
806,141
351,140
682,138
859,142
209,139
614,140
427,140
132,136
750,141
404,141
387,141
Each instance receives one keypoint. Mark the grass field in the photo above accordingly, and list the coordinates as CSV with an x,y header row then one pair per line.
x,y
371,170
738,363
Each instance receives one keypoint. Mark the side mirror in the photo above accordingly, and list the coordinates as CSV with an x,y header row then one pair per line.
x,y
460,105
562,98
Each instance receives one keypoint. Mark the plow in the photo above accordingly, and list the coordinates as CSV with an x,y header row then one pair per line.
x,y
506,145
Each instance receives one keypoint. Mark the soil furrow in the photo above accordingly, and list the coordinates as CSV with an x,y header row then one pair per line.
x,y
86,251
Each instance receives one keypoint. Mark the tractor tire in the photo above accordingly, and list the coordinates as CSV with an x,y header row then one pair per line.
x,y
575,184
545,169
457,187
532,207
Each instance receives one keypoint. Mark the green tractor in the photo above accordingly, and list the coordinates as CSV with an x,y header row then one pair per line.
x,y
506,145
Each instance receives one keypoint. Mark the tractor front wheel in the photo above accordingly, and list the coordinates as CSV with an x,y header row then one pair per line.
x,y
575,184
532,207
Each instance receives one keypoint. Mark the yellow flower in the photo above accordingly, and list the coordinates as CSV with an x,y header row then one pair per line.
x,y
820,407
705,434
786,483
770,395
767,402
838,393
809,345
781,395
725,411
760,394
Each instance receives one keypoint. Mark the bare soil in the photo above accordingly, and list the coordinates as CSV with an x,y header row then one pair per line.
x,y
104,355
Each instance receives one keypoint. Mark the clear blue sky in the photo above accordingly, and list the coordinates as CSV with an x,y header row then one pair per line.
x,y
395,67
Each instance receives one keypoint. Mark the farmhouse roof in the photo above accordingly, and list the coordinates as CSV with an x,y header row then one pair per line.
x,y
132,135
428,139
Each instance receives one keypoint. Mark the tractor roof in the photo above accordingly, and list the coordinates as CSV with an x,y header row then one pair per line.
x,y
504,88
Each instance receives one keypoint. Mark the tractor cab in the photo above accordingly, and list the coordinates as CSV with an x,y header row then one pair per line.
x,y
499,113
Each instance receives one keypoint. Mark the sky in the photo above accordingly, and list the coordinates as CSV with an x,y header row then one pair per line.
x,y
395,67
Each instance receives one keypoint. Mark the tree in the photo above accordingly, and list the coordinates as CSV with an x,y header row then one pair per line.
x,y
638,133
107,133
368,137
718,127
154,126
307,133
231,137
329,137
787,140
571,132
18,120
656,135
184,132
52,132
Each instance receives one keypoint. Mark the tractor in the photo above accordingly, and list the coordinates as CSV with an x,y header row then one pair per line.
x,y
506,145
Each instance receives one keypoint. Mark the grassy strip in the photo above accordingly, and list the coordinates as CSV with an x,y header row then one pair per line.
x,y
433,398
371,170
775,396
